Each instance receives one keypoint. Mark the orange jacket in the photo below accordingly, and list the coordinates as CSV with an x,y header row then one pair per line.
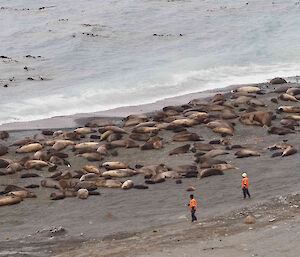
x,y
245,182
193,204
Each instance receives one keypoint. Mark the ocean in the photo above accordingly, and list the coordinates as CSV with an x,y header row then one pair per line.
x,y
67,57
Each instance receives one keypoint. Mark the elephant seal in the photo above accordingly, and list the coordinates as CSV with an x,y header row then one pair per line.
x,y
292,117
289,123
23,194
119,173
109,183
280,145
228,114
223,166
87,146
127,184
127,143
257,118
84,131
140,187
102,150
29,148
185,136
203,147
105,135
114,129
170,174
246,153
82,193
98,123
248,89
10,200
29,175
293,91
210,172
14,167
50,183
62,144
3,150
91,169
134,120
210,162
277,80
190,189
180,149
287,97
153,143
280,130
289,151
146,130
114,137
140,136
21,142
185,122
224,131
92,157
214,153
57,195
289,109
115,165
35,164
5,162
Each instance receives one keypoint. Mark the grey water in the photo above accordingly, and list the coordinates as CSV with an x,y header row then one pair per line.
x,y
68,57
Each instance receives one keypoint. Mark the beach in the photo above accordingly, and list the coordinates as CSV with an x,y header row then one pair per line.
x,y
156,221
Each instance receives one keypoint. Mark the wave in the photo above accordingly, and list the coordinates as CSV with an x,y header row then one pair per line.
x,y
48,105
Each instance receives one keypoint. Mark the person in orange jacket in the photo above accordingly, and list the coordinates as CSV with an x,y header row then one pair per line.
x,y
245,185
193,207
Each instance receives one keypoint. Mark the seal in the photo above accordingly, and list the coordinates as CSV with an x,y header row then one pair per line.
x,y
109,183
87,146
243,153
180,149
84,131
113,137
258,118
35,164
210,172
289,151
29,148
91,169
127,143
289,109
82,193
9,200
127,184
140,137
280,130
62,144
92,157
153,143
3,150
115,165
248,89
119,173
185,136
287,97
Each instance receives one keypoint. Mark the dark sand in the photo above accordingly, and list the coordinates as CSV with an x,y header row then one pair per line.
x,y
121,223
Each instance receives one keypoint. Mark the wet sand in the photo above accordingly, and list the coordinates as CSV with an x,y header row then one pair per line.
x,y
121,223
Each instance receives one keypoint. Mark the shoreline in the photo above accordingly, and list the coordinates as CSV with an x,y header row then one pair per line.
x,y
79,119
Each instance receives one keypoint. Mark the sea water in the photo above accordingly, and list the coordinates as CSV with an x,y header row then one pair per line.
x,y
92,55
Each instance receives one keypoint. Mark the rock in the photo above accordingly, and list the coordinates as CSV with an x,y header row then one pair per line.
x,y
190,189
82,193
276,81
3,149
250,219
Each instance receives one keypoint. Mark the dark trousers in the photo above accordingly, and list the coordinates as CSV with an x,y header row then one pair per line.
x,y
246,192
193,215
